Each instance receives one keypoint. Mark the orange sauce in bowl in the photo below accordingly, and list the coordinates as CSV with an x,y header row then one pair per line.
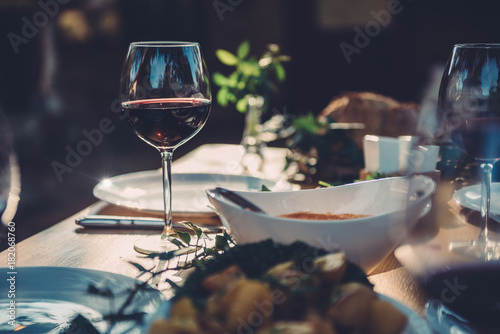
x,y
321,216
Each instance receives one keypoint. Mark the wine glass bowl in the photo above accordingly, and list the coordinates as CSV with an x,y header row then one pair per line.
x,y
165,98
469,101
166,123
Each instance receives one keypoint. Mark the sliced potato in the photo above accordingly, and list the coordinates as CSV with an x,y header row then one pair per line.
x,y
251,306
290,298
219,302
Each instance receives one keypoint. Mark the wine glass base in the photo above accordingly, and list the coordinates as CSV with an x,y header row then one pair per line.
x,y
484,250
154,244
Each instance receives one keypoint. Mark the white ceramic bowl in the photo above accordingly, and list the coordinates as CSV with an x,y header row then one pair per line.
x,y
394,205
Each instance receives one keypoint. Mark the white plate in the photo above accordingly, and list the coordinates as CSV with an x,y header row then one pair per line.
x,y
47,299
416,324
143,190
470,197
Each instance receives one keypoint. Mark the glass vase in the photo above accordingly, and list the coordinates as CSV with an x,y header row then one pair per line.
x,y
253,147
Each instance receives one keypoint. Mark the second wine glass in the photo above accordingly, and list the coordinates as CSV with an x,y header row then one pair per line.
x,y
469,98
166,99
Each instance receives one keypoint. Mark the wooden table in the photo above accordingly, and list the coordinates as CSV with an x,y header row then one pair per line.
x,y
66,244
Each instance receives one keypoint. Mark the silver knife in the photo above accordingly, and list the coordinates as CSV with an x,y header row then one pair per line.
x,y
104,221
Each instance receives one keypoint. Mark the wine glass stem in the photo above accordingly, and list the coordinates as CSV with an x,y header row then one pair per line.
x,y
486,169
166,157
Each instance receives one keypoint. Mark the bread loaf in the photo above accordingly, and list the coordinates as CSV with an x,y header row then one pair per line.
x,y
381,115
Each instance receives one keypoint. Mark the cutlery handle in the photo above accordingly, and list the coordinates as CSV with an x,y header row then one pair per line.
x,y
238,200
98,221
120,222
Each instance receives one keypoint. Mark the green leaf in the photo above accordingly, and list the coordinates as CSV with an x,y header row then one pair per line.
x,y
308,123
221,242
210,251
222,97
241,105
249,68
231,97
243,49
198,231
264,188
184,236
241,85
280,71
226,57
233,79
220,80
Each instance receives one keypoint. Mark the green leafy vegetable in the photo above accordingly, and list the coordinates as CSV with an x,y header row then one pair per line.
x,y
376,175
310,124
325,184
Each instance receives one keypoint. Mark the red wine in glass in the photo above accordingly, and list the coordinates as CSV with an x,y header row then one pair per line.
x,y
166,122
479,137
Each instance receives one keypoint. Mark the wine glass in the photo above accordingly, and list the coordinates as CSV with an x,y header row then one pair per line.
x,y
165,97
469,99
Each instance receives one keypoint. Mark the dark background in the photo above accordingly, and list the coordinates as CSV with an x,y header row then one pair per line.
x,y
65,78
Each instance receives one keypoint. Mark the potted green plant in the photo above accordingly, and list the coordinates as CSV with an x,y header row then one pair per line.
x,y
248,88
